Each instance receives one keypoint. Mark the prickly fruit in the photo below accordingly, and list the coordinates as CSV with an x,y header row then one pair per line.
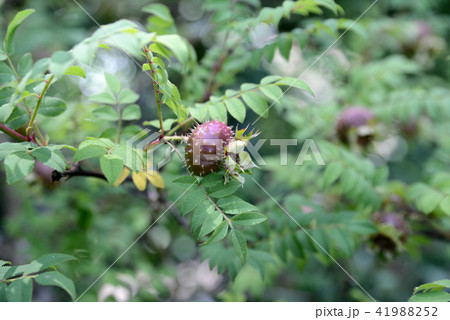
x,y
205,147
358,118
387,242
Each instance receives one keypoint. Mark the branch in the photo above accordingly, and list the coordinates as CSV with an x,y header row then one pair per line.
x,y
212,85
215,205
12,133
78,172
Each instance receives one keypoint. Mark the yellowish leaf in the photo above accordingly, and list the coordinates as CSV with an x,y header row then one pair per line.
x,y
139,180
122,177
155,179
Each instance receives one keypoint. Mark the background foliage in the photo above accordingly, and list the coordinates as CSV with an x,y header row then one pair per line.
x,y
381,210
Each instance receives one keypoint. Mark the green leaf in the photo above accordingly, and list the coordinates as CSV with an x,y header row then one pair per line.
x,y
5,95
192,200
342,240
40,264
321,239
285,44
5,112
272,92
269,79
103,97
212,221
218,111
5,272
6,74
184,180
113,82
18,165
3,289
24,65
235,205
12,27
177,46
212,179
363,227
60,62
131,112
106,113
40,67
429,202
236,108
222,191
145,67
159,10
281,248
3,262
296,83
52,106
433,296
3,55
330,4
248,219
240,244
218,234
102,142
349,180
167,124
18,118
434,286
7,148
20,290
88,152
128,96
445,283
200,214
332,173
75,71
52,259
445,205
111,166
302,37
51,158
54,278
256,103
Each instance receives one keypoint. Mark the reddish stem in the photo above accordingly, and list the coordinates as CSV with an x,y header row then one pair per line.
x,y
12,133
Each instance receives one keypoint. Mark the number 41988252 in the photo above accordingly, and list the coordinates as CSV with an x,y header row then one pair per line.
x,y
407,311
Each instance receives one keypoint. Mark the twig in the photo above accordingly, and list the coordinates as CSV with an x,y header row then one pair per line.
x,y
179,125
155,87
33,116
78,172
212,86
215,205
12,133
